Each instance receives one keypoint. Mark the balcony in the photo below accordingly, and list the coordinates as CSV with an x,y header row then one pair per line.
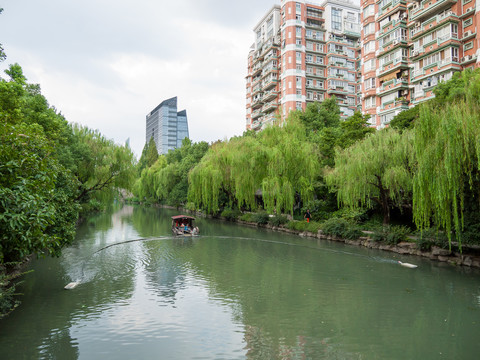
x,y
256,125
269,83
257,103
270,95
393,43
269,107
427,8
393,84
269,70
467,59
256,114
438,20
387,5
393,65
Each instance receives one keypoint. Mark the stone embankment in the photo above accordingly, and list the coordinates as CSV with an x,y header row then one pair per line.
x,y
470,256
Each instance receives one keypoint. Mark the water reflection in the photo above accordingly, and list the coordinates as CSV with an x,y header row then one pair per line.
x,y
236,293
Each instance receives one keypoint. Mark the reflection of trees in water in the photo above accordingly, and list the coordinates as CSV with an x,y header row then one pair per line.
x,y
151,221
112,270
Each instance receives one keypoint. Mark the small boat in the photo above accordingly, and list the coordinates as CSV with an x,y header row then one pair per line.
x,y
183,225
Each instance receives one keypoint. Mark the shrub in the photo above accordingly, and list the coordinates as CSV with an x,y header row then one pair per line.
x,y
313,227
390,234
297,225
8,296
351,215
278,220
341,228
246,217
260,218
429,237
231,215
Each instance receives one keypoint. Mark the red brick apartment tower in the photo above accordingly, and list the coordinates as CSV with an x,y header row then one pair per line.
x,y
343,46
369,62
443,38
262,80
393,71
470,16
303,55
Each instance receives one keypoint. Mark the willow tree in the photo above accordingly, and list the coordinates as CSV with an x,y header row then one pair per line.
x,y
279,161
377,170
447,146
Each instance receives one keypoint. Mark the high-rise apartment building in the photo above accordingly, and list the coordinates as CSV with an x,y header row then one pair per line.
x,y
408,47
303,52
167,126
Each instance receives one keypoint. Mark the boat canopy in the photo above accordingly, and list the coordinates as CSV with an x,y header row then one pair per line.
x,y
180,217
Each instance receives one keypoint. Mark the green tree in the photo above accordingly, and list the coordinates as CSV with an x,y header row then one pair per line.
x,y
103,166
318,116
377,170
353,129
166,181
405,119
149,156
279,161
447,146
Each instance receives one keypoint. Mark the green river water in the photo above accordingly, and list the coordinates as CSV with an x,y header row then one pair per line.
x,y
236,292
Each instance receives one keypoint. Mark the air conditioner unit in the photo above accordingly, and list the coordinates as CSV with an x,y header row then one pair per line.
x,y
395,42
468,9
469,57
415,6
462,60
417,23
404,92
415,52
467,33
333,87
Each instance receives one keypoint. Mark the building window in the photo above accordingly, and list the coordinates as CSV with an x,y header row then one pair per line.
x,y
467,22
369,47
337,19
299,105
270,21
370,83
299,82
299,57
468,46
370,102
368,11
298,31
369,29
298,8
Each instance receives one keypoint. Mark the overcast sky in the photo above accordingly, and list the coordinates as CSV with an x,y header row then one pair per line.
x,y
107,63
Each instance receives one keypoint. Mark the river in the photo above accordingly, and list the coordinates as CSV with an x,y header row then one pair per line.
x,y
236,292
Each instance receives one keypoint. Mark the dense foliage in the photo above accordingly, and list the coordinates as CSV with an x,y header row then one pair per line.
x,y
166,180
279,164
49,170
447,146
377,170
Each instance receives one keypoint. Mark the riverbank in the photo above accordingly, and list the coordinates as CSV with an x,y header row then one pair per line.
x,y
470,256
